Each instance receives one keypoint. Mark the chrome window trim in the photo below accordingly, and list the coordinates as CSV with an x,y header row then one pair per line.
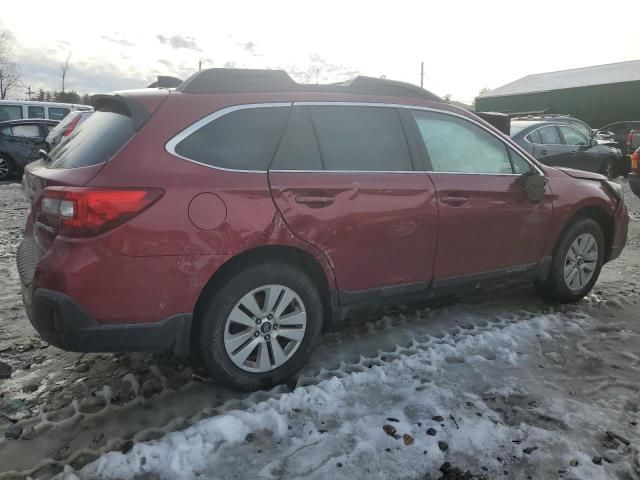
x,y
170,146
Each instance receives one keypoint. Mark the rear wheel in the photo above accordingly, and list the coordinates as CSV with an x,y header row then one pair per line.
x,y
576,262
6,168
261,326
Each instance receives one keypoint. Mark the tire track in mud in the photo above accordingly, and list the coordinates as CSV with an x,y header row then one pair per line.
x,y
86,428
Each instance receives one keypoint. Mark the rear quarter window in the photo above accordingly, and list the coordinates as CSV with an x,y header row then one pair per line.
x,y
96,140
244,139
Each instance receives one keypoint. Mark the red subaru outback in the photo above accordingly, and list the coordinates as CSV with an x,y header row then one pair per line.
x,y
236,215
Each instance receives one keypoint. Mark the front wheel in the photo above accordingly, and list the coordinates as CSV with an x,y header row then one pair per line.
x,y
576,263
261,326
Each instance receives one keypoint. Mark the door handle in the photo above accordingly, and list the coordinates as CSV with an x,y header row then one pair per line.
x,y
543,152
315,199
454,200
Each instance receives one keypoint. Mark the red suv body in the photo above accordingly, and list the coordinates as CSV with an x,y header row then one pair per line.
x,y
149,225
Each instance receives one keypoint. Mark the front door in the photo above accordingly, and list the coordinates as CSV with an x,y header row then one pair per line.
x,y
486,221
344,181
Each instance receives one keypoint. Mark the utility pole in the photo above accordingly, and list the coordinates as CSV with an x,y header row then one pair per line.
x,y
199,64
29,92
421,74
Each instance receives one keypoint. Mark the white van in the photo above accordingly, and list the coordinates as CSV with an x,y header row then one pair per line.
x,y
19,109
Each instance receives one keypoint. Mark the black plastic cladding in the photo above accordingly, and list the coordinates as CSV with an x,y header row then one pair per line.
x,y
232,80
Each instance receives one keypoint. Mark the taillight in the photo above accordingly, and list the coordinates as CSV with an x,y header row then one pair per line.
x,y
635,161
86,212
71,127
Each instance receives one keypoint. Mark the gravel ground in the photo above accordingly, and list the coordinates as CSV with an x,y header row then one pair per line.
x,y
561,378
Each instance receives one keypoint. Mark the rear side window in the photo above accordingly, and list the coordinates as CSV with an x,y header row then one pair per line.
x,y
549,136
96,140
298,148
242,140
361,138
58,113
459,146
534,137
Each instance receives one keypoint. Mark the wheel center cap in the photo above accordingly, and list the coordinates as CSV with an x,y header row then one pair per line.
x,y
579,261
265,328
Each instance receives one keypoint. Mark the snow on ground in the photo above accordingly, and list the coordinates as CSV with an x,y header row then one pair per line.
x,y
523,387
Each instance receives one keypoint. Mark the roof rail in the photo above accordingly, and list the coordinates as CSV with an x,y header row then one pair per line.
x,y
232,80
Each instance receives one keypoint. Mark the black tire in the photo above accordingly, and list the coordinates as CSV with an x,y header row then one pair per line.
x,y
214,316
6,168
555,288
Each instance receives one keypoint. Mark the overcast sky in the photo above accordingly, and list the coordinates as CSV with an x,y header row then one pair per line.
x,y
465,46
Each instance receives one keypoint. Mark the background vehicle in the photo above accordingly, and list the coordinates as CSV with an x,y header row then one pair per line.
x,y
634,176
22,109
66,127
20,143
633,140
617,133
237,215
585,129
563,145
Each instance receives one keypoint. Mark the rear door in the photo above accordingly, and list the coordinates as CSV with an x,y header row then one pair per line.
x,y
486,223
23,142
344,180
550,149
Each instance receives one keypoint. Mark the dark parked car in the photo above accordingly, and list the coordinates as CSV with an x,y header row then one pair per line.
x,y
617,133
585,129
235,216
66,127
20,143
634,176
563,145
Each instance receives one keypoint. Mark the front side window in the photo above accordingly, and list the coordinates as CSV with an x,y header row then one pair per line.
x,y
572,136
549,136
58,113
35,112
458,146
360,138
241,140
10,112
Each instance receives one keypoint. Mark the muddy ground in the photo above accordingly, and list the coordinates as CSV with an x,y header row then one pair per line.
x,y
66,409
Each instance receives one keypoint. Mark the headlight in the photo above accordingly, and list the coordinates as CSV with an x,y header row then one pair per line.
x,y
615,189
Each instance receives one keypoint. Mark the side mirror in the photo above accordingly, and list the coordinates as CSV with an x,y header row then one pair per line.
x,y
534,185
593,142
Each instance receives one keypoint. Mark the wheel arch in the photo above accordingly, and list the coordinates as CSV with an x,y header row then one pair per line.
x,y
601,217
269,253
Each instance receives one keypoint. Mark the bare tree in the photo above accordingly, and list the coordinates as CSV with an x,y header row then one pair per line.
x,y
9,71
64,68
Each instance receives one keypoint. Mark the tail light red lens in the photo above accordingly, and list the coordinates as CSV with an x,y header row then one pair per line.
x,y
71,127
86,212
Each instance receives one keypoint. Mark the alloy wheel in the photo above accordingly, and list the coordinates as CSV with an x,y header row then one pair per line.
x,y
265,328
580,262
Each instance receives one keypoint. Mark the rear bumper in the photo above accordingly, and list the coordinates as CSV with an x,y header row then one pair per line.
x,y
634,183
63,323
